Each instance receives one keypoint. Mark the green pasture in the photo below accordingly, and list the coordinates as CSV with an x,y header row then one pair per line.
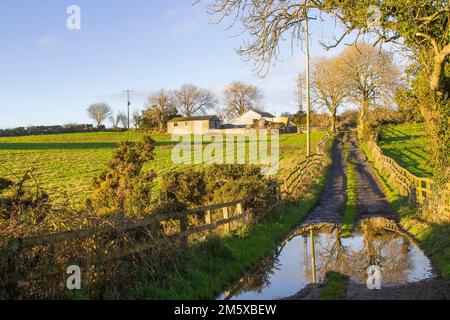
x,y
407,144
66,164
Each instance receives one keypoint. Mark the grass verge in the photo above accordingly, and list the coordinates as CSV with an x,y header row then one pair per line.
x,y
350,208
433,237
335,287
213,265
218,262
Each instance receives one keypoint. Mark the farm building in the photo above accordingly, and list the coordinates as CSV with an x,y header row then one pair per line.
x,y
190,125
256,117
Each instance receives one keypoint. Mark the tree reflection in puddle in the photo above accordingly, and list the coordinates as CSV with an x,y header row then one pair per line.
x,y
300,261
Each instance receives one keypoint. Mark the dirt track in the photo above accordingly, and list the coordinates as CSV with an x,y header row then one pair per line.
x,y
371,201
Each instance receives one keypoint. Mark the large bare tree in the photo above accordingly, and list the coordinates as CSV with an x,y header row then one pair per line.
x,y
191,100
328,86
99,112
241,97
420,25
371,76
161,105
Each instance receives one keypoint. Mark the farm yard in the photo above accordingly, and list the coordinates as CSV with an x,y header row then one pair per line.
x,y
66,164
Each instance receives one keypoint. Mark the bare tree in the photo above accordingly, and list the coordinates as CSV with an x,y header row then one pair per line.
x,y
122,119
137,119
329,88
240,98
191,100
161,105
371,76
99,112
423,29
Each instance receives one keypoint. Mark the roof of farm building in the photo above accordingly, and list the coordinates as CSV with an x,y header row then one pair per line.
x,y
264,114
200,118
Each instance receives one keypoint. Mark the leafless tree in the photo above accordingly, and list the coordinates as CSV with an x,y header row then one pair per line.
x,y
122,119
137,119
161,105
191,100
268,23
328,86
422,26
99,112
240,98
371,76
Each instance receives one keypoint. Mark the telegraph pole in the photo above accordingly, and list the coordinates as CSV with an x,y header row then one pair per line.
x,y
308,89
300,93
128,92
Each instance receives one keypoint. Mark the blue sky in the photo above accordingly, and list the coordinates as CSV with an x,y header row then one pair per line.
x,y
50,74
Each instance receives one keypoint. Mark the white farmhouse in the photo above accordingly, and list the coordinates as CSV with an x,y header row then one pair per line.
x,y
251,117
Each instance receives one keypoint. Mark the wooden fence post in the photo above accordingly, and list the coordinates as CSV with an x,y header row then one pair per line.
x,y
183,228
208,217
240,211
226,216
447,201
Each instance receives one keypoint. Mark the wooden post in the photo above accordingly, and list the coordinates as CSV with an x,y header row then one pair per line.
x,y
226,216
208,217
184,228
239,211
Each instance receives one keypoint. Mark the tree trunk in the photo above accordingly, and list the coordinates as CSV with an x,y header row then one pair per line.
x,y
333,121
363,114
436,81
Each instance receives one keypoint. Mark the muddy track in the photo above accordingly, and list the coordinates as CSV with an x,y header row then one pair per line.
x,y
371,202
371,198
331,204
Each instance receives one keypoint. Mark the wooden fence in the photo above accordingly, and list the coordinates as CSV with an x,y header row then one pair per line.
x,y
418,190
227,216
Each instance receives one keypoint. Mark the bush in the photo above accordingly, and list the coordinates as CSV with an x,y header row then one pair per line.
x,y
122,187
188,188
17,198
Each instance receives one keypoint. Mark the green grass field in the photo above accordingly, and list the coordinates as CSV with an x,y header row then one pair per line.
x,y
406,144
66,164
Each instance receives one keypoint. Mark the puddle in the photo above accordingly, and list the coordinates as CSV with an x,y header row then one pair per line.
x,y
290,269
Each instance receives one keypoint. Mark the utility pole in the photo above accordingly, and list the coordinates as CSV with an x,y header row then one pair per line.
x,y
308,89
128,92
300,93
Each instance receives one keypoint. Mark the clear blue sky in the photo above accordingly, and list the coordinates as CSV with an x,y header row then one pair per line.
x,y
50,75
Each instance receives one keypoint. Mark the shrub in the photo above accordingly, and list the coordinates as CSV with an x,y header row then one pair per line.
x,y
18,198
122,187
188,188
183,189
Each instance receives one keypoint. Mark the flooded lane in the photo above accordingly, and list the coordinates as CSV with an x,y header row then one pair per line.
x,y
300,261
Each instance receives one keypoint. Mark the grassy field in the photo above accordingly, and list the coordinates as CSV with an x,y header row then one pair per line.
x,y
431,236
406,144
66,164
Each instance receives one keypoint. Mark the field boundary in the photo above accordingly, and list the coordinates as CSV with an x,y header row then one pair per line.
x,y
232,215
416,189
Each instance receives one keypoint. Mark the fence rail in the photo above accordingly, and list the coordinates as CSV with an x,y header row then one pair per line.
x,y
418,190
225,215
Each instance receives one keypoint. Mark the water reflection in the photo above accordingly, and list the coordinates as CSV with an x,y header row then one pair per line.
x,y
311,251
